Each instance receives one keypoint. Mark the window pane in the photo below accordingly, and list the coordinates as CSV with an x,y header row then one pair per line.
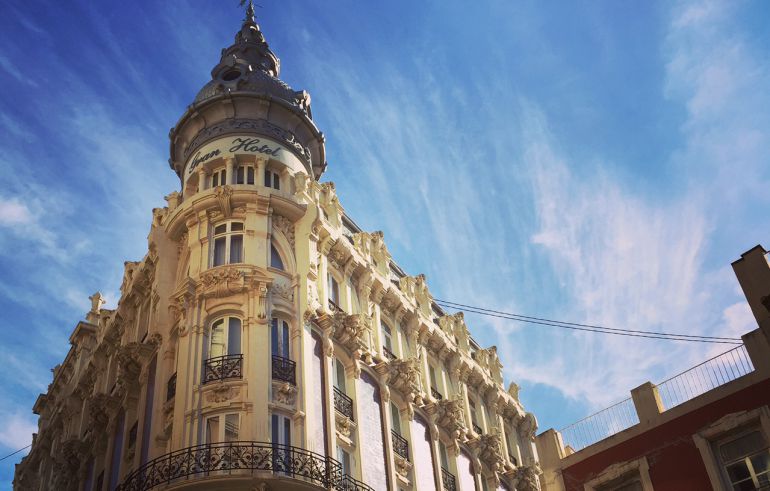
x,y
267,178
223,179
738,471
743,446
215,180
285,341
234,337
250,175
212,430
236,249
340,376
275,258
236,226
274,337
274,432
761,462
232,422
220,229
286,431
395,418
217,339
276,181
219,251
240,175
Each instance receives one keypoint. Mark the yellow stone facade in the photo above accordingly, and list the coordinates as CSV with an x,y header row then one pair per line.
x,y
265,341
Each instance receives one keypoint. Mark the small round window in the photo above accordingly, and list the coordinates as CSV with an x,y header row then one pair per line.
x,y
231,75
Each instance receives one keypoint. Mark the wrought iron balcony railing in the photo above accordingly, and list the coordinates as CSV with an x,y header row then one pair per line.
x,y
334,307
400,445
239,459
222,368
477,429
448,480
284,369
343,404
171,387
389,354
436,394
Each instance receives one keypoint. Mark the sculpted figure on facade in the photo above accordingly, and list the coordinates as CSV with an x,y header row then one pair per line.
x,y
404,377
450,416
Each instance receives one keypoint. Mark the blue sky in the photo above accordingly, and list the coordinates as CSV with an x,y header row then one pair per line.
x,y
598,162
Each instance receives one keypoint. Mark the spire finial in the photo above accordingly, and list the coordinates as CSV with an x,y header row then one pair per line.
x,y
249,11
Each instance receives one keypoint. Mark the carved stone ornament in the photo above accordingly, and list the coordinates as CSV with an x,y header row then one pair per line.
x,y
344,426
450,417
224,195
526,478
285,226
283,291
223,282
528,426
404,376
350,331
221,393
403,467
284,393
490,451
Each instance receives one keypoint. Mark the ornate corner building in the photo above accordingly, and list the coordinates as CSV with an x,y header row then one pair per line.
x,y
265,341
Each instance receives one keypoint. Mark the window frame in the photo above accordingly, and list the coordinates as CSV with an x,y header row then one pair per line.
x,y
221,436
227,325
280,337
220,176
723,429
228,236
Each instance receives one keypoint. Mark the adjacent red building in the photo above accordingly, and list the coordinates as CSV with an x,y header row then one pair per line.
x,y
707,428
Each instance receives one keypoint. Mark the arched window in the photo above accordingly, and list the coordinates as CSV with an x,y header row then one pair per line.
x,y
228,244
225,337
275,258
280,338
334,293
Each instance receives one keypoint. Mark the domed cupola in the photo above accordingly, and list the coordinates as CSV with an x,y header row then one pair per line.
x,y
245,96
250,65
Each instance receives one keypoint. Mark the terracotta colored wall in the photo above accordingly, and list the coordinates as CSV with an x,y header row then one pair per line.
x,y
675,463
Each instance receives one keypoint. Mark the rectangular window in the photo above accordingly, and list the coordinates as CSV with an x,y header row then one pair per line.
x,y
272,180
395,417
344,459
250,175
232,425
339,375
212,430
746,461
280,338
236,249
240,175
219,251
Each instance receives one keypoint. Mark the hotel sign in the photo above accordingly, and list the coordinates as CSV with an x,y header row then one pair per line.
x,y
238,145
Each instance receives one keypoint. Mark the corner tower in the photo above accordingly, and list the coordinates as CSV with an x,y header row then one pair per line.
x,y
246,113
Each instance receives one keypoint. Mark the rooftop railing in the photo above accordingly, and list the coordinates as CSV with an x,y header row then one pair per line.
x,y
702,378
600,425
674,391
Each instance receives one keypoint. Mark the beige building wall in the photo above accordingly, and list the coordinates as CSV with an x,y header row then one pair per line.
x,y
140,388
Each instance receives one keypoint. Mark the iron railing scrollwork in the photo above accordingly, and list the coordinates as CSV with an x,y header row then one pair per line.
x,y
171,387
222,368
284,369
334,307
400,445
436,394
389,354
448,480
241,458
343,403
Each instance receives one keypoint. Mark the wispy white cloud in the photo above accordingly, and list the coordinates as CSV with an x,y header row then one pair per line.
x,y
13,212
17,431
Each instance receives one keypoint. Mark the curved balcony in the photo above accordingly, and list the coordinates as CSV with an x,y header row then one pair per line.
x,y
284,369
241,459
222,368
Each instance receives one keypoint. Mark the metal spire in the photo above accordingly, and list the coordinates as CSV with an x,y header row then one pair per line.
x,y
249,11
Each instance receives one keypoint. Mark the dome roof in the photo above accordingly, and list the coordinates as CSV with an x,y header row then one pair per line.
x,y
250,66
